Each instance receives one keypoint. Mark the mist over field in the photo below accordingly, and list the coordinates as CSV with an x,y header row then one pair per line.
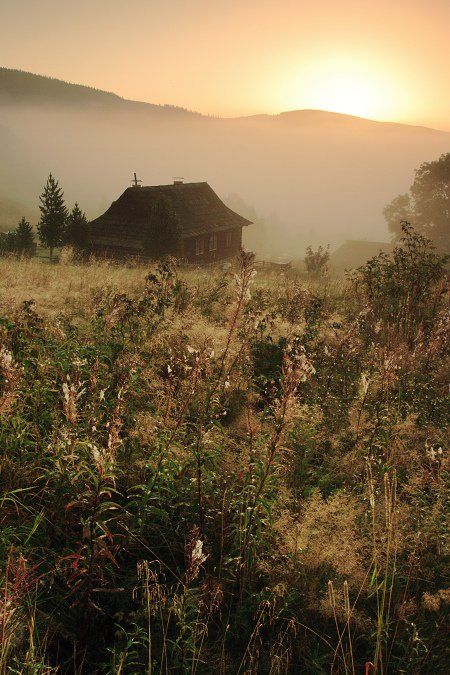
x,y
314,177
224,337
213,461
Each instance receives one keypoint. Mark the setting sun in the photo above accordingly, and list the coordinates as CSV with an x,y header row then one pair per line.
x,y
349,94
346,85
224,236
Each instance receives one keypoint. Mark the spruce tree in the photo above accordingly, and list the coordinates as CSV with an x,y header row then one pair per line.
x,y
53,215
77,233
24,237
7,242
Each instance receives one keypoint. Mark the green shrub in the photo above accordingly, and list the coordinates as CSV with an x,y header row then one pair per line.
x,y
210,474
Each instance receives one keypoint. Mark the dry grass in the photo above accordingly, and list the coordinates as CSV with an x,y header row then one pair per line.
x,y
64,287
71,287
209,472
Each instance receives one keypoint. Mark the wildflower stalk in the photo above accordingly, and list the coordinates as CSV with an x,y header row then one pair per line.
x,y
243,282
390,495
296,368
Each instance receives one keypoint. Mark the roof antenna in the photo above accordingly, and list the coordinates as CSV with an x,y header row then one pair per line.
x,y
135,182
178,180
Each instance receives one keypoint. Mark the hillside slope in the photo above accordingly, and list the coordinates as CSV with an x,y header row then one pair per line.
x,y
325,176
19,87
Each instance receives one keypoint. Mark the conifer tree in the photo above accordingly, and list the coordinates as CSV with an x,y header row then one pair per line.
x,y
7,242
24,237
77,232
53,215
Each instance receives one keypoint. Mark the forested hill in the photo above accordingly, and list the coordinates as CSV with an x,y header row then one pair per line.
x,y
19,87
316,177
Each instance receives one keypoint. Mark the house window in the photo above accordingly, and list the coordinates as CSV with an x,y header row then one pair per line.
x,y
213,242
228,239
199,246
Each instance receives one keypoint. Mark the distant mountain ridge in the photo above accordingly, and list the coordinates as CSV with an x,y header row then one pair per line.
x,y
17,86
316,176
311,116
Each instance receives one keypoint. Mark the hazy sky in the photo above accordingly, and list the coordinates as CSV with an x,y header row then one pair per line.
x,y
385,59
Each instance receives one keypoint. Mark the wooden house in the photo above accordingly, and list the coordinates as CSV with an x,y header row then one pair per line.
x,y
208,230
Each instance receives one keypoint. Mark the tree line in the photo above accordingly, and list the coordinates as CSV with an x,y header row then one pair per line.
x,y
58,226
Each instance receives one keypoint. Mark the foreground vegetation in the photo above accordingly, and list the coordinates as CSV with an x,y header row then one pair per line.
x,y
221,473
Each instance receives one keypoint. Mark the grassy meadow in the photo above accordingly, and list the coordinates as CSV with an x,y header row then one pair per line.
x,y
223,472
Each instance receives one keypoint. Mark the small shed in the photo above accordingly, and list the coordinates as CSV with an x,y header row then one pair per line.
x,y
207,230
355,253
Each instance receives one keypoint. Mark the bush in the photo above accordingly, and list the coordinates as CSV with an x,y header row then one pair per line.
x,y
218,473
316,262
404,290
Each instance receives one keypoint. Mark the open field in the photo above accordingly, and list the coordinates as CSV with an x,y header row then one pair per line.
x,y
67,287
73,289
208,472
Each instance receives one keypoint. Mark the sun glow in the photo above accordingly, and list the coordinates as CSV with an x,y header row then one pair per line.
x,y
348,94
347,86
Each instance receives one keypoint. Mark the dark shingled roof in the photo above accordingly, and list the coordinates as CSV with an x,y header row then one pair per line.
x,y
197,206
